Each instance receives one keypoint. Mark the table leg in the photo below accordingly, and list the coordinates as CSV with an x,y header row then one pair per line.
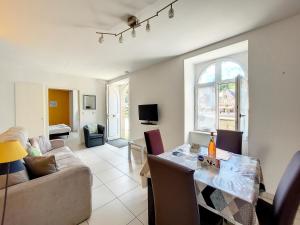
x,y
129,152
151,209
142,152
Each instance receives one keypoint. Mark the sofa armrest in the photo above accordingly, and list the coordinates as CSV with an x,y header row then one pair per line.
x,y
61,198
57,143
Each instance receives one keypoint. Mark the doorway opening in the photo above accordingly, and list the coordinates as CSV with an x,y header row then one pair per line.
x,y
118,113
63,111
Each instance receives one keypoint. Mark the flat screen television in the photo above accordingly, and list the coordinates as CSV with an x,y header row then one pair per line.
x,y
148,113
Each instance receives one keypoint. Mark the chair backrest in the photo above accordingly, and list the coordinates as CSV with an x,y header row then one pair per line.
x,y
230,141
287,196
174,193
154,142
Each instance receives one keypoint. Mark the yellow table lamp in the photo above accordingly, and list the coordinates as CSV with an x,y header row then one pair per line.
x,y
10,151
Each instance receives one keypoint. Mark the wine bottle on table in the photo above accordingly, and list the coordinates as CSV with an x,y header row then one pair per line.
x,y
212,151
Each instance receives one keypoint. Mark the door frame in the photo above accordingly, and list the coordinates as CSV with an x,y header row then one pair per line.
x,y
79,108
116,83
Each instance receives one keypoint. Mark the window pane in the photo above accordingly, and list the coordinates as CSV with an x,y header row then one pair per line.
x,y
206,109
231,70
227,106
209,75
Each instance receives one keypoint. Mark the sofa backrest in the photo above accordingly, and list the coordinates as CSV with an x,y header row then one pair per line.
x,y
15,133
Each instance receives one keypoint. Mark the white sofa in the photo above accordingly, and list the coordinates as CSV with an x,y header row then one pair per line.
x,y
61,198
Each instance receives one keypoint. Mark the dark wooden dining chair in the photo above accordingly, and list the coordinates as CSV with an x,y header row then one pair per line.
x,y
174,194
154,142
230,141
286,200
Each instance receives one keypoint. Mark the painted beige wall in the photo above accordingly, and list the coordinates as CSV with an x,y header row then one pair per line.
x,y
274,53
10,74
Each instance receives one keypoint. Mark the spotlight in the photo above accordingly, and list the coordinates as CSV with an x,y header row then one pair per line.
x,y
133,33
133,23
148,28
121,39
101,39
171,12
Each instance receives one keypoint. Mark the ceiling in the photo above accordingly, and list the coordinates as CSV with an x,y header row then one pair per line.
x,y
59,36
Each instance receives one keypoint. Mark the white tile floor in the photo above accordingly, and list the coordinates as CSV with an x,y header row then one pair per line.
x,y
117,198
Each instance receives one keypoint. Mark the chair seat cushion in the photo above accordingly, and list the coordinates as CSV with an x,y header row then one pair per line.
x,y
93,136
264,212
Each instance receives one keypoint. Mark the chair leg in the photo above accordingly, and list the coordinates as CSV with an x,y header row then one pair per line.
x,y
129,152
151,209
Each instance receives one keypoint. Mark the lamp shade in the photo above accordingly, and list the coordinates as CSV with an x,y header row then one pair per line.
x,y
11,151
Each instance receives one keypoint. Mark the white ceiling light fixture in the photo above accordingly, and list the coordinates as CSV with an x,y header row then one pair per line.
x,y
171,12
101,39
148,28
121,39
133,23
133,33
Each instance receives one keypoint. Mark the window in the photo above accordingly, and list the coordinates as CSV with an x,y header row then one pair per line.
x,y
219,104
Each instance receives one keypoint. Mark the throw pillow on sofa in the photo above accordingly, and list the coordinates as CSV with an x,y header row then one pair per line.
x,y
42,143
14,177
39,166
33,151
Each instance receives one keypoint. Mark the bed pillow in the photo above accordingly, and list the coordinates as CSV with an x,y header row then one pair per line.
x,y
40,165
18,174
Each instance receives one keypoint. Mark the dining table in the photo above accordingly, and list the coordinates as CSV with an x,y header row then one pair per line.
x,y
230,191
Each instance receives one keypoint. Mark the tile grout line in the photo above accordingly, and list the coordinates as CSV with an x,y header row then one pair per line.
x,y
116,197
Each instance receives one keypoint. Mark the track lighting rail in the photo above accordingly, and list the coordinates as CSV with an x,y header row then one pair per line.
x,y
171,15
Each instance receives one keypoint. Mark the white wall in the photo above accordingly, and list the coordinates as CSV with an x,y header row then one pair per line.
x,y
274,53
10,74
163,85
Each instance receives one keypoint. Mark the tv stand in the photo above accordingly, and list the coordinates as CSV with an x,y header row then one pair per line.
x,y
148,123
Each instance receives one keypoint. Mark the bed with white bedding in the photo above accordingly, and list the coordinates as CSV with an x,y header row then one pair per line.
x,y
59,130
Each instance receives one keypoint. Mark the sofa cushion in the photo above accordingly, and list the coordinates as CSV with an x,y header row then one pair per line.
x,y
60,153
15,133
40,165
93,136
65,158
18,174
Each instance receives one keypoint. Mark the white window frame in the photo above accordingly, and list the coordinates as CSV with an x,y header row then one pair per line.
x,y
216,83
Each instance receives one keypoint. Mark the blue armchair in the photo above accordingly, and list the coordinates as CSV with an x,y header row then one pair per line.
x,y
94,139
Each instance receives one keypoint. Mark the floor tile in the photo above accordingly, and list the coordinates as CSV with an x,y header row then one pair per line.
x,y
135,222
109,175
114,213
100,167
143,217
129,167
87,156
101,196
135,200
96,182
121,185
